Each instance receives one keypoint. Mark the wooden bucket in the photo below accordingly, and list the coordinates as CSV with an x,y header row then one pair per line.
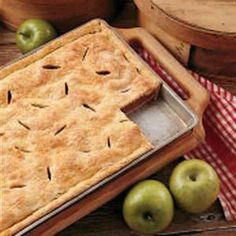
x,y
201,35
64,14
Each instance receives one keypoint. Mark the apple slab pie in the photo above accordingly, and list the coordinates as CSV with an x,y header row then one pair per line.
x,y
62,122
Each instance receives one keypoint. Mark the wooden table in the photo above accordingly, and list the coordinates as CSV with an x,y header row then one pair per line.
x,y
107,220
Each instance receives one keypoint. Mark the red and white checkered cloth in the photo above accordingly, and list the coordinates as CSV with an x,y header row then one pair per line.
x,y
219,120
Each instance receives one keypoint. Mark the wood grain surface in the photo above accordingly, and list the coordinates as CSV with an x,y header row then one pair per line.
x,y
178,48
205,61
64,14
209,24
215,15
107,220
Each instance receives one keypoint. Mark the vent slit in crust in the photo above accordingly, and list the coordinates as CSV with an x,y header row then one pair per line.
x,y
9,96
23,125
39,105
125,57
49,173
93,32
122,121
103,72
109,142
125,90
17,186
137,69
89,107
60,130
85,151
1,134
22,149
51,67
85,53
66,89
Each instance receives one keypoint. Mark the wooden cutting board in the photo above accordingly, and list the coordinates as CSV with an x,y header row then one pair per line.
x,y
198,100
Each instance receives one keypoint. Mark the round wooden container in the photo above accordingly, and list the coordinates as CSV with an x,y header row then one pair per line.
x,y
64,14
201,34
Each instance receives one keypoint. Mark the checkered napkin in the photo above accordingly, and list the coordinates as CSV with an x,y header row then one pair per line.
x,y
219,120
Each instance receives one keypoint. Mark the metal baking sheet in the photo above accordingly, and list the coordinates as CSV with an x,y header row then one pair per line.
x,y
162,121
165,119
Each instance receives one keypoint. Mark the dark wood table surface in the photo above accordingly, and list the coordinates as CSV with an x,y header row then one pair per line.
x,y
107,220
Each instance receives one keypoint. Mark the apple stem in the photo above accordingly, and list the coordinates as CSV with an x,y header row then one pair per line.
x,y
193,177
148,216
25,35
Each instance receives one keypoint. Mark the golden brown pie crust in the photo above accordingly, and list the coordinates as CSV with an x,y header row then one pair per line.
x,y
61,127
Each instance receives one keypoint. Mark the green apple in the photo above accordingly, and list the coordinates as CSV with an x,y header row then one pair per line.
x,y
194,185
33,33
148,207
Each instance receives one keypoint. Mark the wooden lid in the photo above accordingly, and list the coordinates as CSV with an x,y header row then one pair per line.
x,y
206,23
